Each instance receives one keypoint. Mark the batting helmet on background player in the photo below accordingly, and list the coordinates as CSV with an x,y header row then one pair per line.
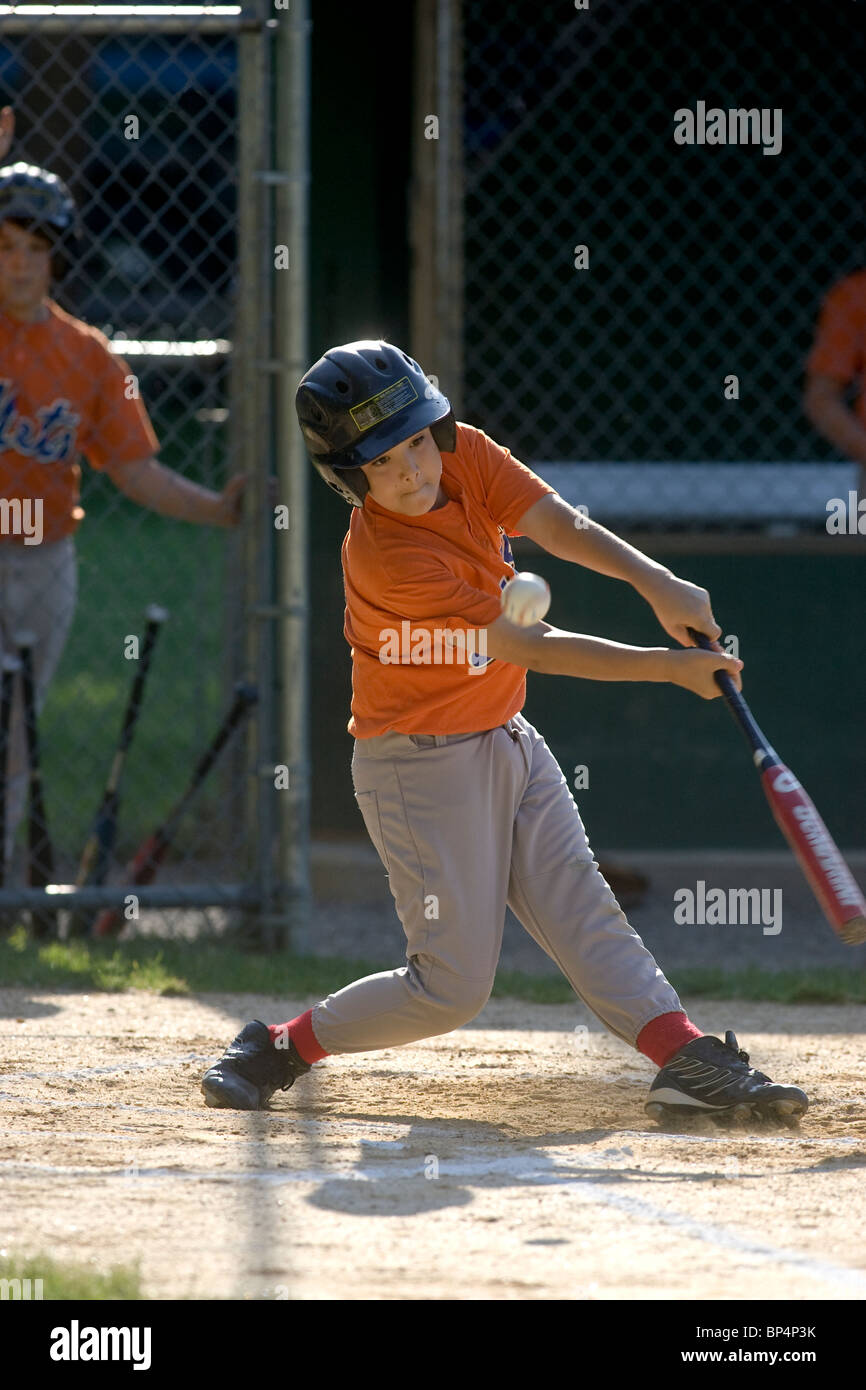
x,y
41,201
357,402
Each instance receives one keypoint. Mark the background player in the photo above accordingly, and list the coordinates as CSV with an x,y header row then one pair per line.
x,y
463,800
62,393
834,365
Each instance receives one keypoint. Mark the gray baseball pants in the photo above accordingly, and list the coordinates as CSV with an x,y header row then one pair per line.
x,y
38,590
465,824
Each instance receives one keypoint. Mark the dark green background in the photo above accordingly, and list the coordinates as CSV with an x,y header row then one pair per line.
x,y
665,768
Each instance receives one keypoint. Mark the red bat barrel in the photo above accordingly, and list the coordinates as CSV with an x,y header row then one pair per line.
x,y
797,817
829,876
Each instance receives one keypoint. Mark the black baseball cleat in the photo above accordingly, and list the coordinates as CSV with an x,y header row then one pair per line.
x,y
709,1076
251,1069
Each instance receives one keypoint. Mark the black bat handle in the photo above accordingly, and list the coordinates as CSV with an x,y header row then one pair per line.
x,y
134,702
722,679
7,687
764,755
246,695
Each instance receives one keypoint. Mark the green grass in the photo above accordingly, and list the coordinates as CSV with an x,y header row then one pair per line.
x,y
64,1280
822,985
172,967
209,967
827,985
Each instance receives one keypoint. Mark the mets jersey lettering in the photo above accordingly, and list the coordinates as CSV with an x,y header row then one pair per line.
x,y
63,395
51,440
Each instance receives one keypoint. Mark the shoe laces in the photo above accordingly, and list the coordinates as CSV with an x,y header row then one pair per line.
x,y
731,1042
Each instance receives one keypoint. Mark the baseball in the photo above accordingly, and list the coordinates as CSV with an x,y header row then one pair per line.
x,y
526,599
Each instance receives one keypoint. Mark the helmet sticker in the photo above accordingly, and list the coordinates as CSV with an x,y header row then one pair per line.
x,y
388,402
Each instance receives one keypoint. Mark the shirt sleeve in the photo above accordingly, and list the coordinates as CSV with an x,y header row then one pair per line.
x,y
838,347
119,428
510,488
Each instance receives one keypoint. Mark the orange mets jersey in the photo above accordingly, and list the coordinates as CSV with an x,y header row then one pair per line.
x,y
421,589
62,394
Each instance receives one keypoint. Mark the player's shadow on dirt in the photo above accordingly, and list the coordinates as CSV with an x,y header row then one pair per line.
x,y
423,1174
27,1008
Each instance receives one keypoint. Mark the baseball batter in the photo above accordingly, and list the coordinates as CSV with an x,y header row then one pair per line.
x,y
62,393
461,796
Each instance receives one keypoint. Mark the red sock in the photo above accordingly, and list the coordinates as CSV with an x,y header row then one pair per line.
x,y
665,1035
300,1030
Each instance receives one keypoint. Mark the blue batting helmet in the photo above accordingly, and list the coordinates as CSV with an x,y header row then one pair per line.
x,y
357,402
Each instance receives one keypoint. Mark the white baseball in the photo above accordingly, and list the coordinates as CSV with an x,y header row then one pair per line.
x,y
526,599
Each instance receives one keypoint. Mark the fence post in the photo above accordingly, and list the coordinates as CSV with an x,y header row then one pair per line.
x,y
436,205
250,405
291,351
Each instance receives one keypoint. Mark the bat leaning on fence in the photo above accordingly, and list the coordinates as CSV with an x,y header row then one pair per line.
x,y
97,852
151,853
40,851
10,668
797,817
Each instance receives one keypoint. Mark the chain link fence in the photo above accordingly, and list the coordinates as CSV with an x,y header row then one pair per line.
x,y
164,131
639,309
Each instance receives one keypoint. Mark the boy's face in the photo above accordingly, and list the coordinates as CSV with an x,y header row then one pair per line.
x,y
25,271
407,478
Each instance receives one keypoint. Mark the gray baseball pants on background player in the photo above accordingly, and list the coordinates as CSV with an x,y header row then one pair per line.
x,y
38,590
465,824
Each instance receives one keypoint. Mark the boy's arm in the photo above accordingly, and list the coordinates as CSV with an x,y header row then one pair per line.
x,y
824,404
556,653
152,485
7,131
570,535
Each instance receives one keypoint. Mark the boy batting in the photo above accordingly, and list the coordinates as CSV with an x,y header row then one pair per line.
x,y
461,796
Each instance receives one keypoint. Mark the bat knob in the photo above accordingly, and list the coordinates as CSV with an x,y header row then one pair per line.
x,y
156,614
247,691
25,638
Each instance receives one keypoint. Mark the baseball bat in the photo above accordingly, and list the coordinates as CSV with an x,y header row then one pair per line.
x,y
39,846
151,853
97,852
797,817
11,666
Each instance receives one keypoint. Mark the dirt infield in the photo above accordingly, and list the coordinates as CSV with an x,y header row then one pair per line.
x,y
509,1160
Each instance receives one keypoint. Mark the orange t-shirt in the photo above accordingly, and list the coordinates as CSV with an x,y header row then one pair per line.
x,y
413,581
62,393
839,349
